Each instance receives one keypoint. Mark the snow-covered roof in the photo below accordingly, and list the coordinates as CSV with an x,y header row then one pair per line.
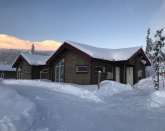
x,y
6,68
35,59
104,53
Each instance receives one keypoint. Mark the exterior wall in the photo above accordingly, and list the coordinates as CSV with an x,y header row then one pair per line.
x,y
109,67
29,71
71,76
139,66
36,71
26,70
9,74
71,60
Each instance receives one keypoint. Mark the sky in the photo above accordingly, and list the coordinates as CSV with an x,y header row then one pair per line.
x,y
102,23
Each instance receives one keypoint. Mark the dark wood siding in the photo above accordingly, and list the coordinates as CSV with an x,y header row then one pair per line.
x,y
139,67
26,70
108,66
71,76
71,60
137,64
9,74
29,71
36,71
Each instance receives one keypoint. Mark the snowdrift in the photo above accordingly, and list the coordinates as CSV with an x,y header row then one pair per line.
x,y
157,99
71,107
88,92
16,112
109,88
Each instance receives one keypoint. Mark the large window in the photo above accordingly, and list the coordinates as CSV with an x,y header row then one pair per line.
x,y
82,68
59,71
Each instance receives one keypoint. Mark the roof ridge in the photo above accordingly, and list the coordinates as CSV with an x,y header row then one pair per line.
x,y
69,41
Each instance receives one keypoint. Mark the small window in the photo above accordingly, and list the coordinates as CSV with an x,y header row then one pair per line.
x,y
82,68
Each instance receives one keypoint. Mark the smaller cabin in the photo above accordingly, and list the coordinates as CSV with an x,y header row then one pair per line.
x,y
7,72
31,66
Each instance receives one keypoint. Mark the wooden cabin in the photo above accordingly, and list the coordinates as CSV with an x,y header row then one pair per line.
x,y
79,63
7,72
31,66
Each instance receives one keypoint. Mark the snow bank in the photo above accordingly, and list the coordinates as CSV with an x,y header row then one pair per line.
x,y
157,99
124,108
109,88
145,83
16,112
58,87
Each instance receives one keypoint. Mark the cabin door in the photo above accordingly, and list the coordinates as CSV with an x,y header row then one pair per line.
x,y
117,75
129,75
59,71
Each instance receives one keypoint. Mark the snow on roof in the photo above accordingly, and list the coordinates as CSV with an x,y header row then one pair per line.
x,y
35,59
104,53
6,68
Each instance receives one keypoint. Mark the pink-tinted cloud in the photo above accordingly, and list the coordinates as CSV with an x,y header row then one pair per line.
x,y
11,42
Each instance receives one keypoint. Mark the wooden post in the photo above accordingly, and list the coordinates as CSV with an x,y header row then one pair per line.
x,y
99,79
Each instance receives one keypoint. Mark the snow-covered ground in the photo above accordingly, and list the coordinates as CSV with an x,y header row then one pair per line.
x,y
46,106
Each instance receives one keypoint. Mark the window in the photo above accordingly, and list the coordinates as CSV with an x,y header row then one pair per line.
x,y
82,68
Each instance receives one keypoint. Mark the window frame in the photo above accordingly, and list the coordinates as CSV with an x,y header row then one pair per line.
x,y
77,66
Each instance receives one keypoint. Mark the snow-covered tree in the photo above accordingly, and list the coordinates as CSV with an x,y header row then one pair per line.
x,y
158,55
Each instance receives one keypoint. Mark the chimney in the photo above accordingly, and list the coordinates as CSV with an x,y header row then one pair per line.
x,y
32,49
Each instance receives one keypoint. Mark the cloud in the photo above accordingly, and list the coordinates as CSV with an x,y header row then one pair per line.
x,y
11,42
47,45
